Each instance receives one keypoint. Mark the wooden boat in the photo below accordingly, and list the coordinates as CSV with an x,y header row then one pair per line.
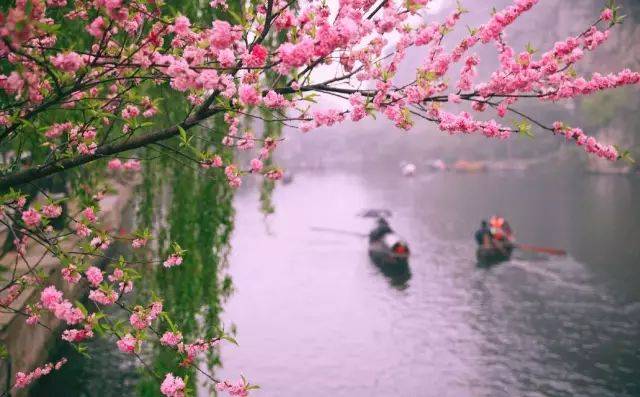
x,y
388,251
493,255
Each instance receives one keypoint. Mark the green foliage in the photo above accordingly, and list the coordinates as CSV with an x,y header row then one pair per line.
x,y
181,205
602,108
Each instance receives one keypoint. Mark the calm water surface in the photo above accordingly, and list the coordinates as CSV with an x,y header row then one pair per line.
x,y
316,318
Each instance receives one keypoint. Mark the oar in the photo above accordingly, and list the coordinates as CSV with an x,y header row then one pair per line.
x,y
338,231
542,250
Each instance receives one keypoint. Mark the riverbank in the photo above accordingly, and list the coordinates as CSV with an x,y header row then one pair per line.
x,y
28,346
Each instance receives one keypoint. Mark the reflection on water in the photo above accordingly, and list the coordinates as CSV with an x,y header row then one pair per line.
x,y
316,318
398,274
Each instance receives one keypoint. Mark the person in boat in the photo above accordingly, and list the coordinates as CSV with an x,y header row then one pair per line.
x,y
483,235
500,228
501,233
381,230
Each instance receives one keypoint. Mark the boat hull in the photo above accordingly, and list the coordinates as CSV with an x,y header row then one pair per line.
x,y
490,256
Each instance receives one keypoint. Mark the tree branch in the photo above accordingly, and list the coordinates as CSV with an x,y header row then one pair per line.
x,y
29,175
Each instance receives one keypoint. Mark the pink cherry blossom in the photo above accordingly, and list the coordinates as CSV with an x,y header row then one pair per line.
x,y
69,62
22,379
256,165
171,338
96,27
71,274
89,214
100,242
82,230
114,164
51,299
248,94
31,217
138,243
130,111
172,386
33,319
102,297
173,260
256,57
238,389
94,275
132,165
127,344
274,100
222,34
52,211
181,25
76,335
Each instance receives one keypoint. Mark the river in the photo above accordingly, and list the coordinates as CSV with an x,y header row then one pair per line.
x,y
315,317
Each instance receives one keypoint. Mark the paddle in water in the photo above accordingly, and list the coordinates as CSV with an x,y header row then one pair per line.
x,y
338,231
542,250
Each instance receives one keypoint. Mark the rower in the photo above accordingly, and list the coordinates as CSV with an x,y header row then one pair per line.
x,y
483,235
501,233
381,230
500,229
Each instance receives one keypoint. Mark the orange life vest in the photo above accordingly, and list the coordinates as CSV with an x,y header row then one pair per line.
x,y
495,224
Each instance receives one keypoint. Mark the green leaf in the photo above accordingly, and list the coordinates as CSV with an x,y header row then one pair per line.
x,y
236,17
82,308
168,320
531,49
183,133
230,339
524,128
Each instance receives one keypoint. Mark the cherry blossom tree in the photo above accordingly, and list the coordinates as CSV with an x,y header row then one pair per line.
x,y
82,83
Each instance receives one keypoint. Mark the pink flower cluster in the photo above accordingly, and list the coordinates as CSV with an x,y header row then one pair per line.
x,y
274,100
51,299
71,274
128,343
256,57
570,88
57,130
502,19
138,242
248,95
100,242
129,165
23,380
464,123
233,176
190,350
130,112
327,117
89,214
589,143
238,389
104,297
172,386
52,211
171,338
77,335
141,318
10,295
172,260
94,275
294,55
69,62
31,217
